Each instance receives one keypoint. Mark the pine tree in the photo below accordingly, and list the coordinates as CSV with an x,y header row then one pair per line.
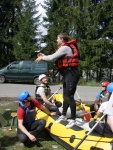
x,y
27,36
88,21
9,11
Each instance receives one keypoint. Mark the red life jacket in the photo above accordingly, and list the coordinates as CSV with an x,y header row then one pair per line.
x,y
68,61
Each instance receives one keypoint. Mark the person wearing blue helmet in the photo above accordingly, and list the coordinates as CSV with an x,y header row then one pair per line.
x,y
26,114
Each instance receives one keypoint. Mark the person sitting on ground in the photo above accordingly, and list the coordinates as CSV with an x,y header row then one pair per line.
x,y
43,92
101,97
106,126
26,113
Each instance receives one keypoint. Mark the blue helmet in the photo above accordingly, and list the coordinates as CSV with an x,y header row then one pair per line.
x,y
22,95
110,87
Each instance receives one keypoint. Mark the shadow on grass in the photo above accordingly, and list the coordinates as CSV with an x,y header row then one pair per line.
x,y
12,142
7,141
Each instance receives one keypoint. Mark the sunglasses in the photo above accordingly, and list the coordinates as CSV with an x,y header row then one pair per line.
x,y
27,100
27,96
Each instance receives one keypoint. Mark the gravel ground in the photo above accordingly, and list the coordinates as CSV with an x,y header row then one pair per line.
x,y
10,101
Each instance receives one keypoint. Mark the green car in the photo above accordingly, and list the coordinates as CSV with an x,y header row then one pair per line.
x,y
25,70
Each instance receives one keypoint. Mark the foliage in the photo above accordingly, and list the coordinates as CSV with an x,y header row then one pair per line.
x,y
90,22
9,10
18,30
25,41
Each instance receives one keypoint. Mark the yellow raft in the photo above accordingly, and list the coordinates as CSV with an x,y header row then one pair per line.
x,y
70,137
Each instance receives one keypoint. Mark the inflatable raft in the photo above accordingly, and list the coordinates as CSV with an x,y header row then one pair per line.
x,y
70,137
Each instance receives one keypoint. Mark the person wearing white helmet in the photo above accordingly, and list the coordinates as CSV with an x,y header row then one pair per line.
x,y
26,114
43,92
41,77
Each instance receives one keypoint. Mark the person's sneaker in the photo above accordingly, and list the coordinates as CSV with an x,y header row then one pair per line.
x,y
61,119
70,124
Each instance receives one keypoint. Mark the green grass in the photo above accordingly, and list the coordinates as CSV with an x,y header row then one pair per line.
x,y
9,139
93,83
83,82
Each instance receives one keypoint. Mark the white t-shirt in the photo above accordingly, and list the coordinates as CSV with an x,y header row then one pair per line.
x,y
109,108
103,107
40,91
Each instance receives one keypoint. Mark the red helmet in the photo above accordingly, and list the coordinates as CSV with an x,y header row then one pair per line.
x,y
105,83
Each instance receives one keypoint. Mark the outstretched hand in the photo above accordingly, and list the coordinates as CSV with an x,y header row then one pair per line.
x,y
38,59
40,54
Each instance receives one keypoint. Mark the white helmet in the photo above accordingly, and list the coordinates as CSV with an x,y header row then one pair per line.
x,y
41,76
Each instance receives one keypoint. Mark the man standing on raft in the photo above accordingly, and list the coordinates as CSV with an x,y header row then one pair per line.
x,y
66,58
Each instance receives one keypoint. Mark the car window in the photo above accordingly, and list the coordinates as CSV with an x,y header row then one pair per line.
x,y
27,66
40,66
14,66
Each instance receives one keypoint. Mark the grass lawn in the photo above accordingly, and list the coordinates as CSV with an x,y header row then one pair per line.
x,y
8,138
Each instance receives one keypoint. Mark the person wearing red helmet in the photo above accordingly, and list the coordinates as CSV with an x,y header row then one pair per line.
x,y
105,127
102,96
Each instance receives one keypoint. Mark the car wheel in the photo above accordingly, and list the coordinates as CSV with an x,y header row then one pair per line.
x,y
2,79
36,81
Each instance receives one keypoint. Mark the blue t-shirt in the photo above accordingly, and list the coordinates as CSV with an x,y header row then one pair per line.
x,y
101,95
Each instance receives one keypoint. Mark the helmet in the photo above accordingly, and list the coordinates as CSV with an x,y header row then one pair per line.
x,y
105,83
41,76
22,96
110,87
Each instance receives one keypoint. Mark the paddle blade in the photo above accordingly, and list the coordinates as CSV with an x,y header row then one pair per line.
x,y
87,116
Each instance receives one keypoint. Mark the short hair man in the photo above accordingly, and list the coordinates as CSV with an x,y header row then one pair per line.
x,y
26,113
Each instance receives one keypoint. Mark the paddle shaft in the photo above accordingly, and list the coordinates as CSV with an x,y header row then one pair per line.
x,y
12,123
79,99
54,93
89,132
86,115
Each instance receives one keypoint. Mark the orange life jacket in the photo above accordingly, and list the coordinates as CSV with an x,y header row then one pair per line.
x,y
68,61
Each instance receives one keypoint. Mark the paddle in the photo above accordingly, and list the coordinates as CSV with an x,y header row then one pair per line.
x,y
54,93
89,132
86,114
